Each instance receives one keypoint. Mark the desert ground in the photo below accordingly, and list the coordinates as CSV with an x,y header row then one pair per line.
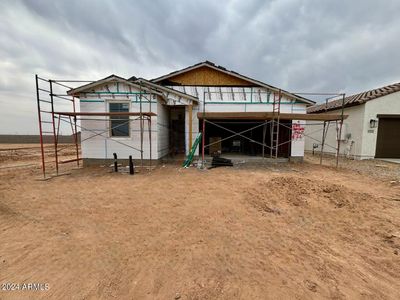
x,y
279,231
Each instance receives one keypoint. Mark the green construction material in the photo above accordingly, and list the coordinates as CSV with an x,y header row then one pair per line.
x,y
189,158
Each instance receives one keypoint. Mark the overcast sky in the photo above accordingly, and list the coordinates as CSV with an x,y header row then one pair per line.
x,y
298,45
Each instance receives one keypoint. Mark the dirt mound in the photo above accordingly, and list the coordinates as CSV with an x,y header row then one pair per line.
x,y
273,195
250,233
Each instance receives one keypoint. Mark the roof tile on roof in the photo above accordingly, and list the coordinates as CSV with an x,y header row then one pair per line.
x,y
356,99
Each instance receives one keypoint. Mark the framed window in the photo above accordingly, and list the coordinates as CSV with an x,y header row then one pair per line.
x,y
119,125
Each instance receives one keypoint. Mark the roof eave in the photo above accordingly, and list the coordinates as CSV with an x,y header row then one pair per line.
x,y
94,83
322,110
232,73
155,85
111,78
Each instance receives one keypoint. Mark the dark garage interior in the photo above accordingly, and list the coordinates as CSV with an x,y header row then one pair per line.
x,y
240,145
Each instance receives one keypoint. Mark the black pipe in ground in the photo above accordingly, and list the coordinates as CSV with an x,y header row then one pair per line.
x,y
131,168
115,162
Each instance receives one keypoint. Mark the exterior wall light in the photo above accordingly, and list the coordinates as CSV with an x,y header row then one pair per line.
x,y
373,123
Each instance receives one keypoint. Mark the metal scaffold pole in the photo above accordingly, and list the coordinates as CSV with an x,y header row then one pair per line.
x,y
277,129
263,138
54,126
276,111
76,132
149,127
40,125
203,136
141,128
324,133
190,117
340,131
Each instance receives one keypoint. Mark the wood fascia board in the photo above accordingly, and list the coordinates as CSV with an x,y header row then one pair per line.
x,y
168,90
262,84
82,89
234,74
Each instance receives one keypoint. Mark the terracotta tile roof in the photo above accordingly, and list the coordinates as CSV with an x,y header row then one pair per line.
x,y
356,99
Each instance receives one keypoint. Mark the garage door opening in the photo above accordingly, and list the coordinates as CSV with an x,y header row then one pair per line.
x,y
219,134
388,139
177,130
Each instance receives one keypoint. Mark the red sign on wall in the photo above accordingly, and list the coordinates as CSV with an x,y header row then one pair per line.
x,y
297,131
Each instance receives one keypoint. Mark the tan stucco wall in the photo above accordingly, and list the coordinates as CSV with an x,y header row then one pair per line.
x,y
389,104
352,127
362,143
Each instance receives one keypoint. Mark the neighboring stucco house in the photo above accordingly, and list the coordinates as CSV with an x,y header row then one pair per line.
x,y
371,130
173,105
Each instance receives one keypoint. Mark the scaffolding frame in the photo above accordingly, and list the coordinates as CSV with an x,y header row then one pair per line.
x,y
276,113
275,121
49,116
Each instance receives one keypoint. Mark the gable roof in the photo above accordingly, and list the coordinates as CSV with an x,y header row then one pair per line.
x,y
231,73
111,78
356,99
133,81
161,88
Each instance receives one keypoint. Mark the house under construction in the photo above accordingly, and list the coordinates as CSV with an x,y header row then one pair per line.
x,y
153,119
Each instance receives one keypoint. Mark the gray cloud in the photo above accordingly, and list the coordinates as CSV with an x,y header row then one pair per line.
x,y
299,45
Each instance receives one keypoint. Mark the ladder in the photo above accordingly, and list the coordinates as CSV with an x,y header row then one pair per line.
x,y
276,111
189,158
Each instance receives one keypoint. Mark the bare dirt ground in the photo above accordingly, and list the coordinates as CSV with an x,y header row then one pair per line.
x,y
288,231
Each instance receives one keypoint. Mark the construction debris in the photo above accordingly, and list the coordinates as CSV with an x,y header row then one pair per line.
x,y
221,162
